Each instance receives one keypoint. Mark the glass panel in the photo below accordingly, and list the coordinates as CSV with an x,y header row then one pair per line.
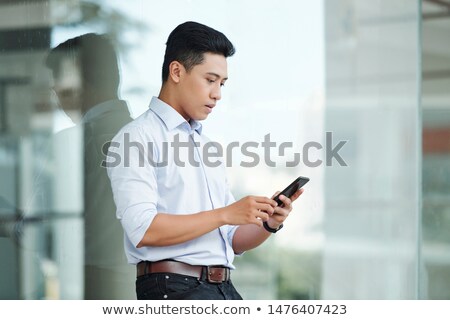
x,y
353,234
371,210
436,150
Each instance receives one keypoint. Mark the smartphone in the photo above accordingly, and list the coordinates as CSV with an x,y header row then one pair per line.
x,y
291,189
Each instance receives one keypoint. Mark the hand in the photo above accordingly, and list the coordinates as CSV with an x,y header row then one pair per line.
x,y
280,213
251,209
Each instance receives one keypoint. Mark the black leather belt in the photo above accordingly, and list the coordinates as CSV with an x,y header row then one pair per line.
x,y
212,274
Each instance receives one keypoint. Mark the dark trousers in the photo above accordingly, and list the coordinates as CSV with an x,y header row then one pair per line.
x,y
170,286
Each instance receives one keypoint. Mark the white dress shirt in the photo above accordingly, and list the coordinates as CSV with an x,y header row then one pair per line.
x,y
144,184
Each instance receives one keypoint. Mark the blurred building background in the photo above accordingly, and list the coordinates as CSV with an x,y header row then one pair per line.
x,y
375,74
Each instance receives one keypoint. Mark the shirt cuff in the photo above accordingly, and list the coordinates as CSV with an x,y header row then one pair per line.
x,y
231,233
136,221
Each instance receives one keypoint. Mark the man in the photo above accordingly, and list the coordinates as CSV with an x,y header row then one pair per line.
x,y
86,81
182,225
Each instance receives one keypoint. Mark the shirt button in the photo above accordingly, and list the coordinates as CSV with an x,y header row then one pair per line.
x,y
165,296
167,277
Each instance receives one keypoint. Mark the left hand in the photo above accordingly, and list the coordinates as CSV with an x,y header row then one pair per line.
x,y
281,213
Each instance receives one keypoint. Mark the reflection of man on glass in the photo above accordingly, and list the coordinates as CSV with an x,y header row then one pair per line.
x,y
86,81
182,225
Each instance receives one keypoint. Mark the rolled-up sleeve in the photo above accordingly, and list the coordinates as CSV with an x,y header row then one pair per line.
x,y
133,182
229,199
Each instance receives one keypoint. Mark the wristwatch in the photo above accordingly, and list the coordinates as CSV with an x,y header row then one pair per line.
x,y
266,226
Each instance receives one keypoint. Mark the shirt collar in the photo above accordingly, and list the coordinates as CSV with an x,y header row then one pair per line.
x,y
171,118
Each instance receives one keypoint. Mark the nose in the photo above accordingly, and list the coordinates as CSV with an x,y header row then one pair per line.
x,y
216,93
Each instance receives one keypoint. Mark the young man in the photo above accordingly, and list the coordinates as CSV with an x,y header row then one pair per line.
x,y
182,225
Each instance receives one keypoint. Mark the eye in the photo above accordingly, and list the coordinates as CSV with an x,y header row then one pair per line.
x,y
222,84
210,80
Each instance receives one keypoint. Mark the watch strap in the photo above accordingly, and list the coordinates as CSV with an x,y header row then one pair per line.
x,y
272,230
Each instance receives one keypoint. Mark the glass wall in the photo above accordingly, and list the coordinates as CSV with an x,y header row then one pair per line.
x,y
335,86
436,149
372,205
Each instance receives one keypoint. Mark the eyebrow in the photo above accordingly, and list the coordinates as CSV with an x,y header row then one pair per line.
x,y
216,75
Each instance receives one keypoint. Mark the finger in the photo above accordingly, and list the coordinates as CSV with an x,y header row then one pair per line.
x,y
262,215
286,201
297,194
281,211
275,194
278,218
272,202
265,207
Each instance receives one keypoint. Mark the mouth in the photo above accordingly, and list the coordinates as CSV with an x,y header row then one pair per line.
x,y
210,107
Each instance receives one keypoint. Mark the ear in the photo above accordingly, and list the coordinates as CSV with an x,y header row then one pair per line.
x,y
176,71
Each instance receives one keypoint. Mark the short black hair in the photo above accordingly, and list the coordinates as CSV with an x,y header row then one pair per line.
x,y
189,41
96,56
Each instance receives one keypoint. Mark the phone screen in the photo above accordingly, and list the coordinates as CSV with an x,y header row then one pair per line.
x,y
291,189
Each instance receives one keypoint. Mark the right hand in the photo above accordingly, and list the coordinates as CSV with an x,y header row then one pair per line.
x,y
251,209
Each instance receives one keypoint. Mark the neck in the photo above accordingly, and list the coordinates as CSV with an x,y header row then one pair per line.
x,y
168,95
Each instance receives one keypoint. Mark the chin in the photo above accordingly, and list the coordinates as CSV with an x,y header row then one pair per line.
x,y
201,117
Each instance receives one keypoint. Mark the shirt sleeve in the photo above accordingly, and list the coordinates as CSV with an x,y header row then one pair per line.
x,y
229,199
133,182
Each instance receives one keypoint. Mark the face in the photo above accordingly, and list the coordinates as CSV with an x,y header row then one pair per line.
x,y
199,90
67,86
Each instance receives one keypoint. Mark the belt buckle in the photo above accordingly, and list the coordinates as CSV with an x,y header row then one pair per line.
x,y
216,276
